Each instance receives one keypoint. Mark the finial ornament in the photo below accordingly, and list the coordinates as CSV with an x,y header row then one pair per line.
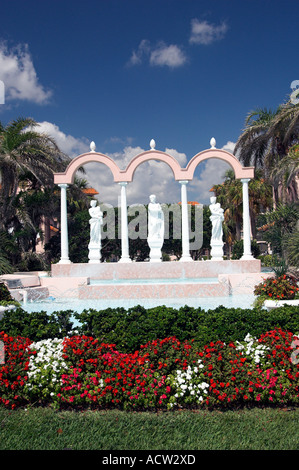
x,y
213,143
92,146
152,144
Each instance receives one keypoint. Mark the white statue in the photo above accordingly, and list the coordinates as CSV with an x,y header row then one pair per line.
x,y
216,218
155,228
155,219
96,222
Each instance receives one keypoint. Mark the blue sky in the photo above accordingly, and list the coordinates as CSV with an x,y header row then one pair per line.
x,y
121,72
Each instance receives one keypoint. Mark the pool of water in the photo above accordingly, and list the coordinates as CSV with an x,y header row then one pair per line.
x,y
51,305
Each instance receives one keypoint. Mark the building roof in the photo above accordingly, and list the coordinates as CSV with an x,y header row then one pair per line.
x,y
90,191
193,203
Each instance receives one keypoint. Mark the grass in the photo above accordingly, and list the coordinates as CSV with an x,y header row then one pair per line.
x,y
46,429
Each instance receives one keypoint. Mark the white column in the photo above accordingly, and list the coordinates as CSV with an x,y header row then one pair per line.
x,y
246,221
125,258
63,226
185,223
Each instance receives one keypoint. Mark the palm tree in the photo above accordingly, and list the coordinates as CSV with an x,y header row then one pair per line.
x,y
280,224
253,144
267,138
286,173
25,151
229,195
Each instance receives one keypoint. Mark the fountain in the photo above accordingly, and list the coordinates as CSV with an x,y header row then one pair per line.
x,y
183,280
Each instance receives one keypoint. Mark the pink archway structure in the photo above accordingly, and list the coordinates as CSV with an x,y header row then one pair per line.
x,y
125,176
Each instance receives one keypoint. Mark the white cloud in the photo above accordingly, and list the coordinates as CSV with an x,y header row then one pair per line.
x,y
205,33
179,156
229,146
19,76
143,50
68,144
171,56
212,173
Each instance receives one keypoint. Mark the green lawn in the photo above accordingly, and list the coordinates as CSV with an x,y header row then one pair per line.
x,y
45,429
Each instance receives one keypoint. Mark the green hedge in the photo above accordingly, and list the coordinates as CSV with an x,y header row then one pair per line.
x,y
128,329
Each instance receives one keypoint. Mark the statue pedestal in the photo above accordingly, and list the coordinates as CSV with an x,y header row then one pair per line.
x,y
94,254
155,250
217,251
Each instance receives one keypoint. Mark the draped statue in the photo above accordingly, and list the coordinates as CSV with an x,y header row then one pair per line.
x,y
155,229
216,218
155,219
96,222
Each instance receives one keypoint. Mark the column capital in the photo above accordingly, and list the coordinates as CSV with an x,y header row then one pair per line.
x,y
183,181
123,183
245,180
63,185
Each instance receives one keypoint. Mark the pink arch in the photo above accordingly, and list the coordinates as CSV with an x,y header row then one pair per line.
x,y
151,155
68,176
240,171
127,175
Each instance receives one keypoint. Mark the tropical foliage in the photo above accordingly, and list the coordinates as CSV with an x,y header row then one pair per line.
x,y
280,228
28,197
229,195
25,155
269,141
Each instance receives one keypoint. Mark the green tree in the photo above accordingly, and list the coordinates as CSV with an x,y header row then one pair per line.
x,y
278,225
229,195
266,139
24,151
286,174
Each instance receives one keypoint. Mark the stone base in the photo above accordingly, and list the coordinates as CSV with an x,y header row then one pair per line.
x,y
155,250
243,283
166,269
217,252
153,290
168,279
94,254
66,287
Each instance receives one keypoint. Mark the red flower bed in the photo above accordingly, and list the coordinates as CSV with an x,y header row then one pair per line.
x,y
99,376
13,372
227,371
105,377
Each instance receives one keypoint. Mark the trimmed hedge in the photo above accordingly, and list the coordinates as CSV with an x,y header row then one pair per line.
x,y
128,329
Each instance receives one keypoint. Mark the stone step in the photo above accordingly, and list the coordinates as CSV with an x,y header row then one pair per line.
x,y
151,290
29,293
14,281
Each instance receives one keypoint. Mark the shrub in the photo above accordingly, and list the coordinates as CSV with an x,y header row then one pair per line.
x,y
238,249
276,288
128,329
4,293
36,325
